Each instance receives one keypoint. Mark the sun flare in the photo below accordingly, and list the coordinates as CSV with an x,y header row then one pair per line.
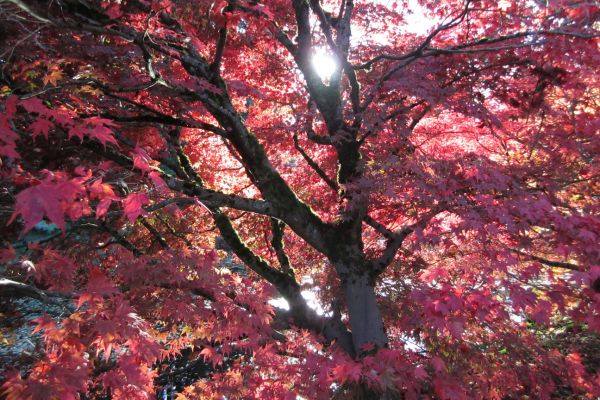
x,y
324,64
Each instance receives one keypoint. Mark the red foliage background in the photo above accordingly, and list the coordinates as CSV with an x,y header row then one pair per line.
x,y
428,211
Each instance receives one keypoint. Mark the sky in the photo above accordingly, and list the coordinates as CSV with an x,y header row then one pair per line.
x,y
325,64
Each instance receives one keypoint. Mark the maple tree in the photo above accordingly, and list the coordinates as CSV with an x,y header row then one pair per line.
x,y
427,210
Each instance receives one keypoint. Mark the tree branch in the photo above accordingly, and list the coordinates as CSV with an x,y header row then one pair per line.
x,y
14,289
216,64
330,182
122,240
161,240
395,242
550,263
379,227
416,52
253,261
11,289
277,229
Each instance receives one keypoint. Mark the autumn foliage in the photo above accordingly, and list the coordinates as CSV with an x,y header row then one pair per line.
x,y
419,221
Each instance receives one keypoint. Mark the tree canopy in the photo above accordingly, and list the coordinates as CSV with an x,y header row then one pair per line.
x,y
302,198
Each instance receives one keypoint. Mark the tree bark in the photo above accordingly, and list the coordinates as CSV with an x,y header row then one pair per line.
x,y
365,318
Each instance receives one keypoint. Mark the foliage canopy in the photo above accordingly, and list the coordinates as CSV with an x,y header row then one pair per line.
x,y
428,209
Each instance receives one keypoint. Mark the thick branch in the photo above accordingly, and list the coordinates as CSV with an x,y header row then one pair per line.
x,y
14,289
207,196
250,259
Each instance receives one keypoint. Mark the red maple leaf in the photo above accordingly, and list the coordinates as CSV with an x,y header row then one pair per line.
x,y
35,105
37,202
347,371
41,126
133,205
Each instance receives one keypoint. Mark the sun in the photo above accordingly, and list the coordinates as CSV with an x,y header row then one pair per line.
x,y
324,64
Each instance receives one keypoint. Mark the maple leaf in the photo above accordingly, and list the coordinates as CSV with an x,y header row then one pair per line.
x,y
420,373
53,77
54,270
133,205
47,199
210,354
347,371
94,128
159,182
41,126
37,202
44,323
78,131
99,190
438,364
99,283
102,208
35,105
8,139
10,106
100,130
141,160
91,90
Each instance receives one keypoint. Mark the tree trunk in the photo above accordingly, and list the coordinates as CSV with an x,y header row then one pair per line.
x,y
361,391
365,317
